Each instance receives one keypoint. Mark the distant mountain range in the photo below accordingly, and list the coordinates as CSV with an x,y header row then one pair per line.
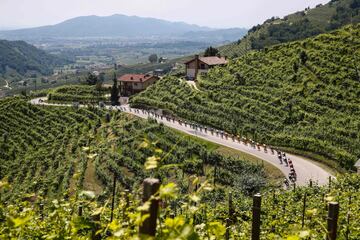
x,y
120,26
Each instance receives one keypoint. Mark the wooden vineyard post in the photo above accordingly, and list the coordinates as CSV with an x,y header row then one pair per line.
x,y
151,186
329,183
41,206
80,211
227,233
303,211
107,117
96,219
255,231
332,220
310,183
113,199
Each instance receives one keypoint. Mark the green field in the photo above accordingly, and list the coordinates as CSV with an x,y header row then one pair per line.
x,y
302,95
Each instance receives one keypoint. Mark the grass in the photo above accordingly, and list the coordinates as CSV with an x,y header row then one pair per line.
x,y
273,173
91,182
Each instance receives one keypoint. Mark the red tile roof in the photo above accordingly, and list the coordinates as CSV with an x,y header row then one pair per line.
x,y
211,61
135,77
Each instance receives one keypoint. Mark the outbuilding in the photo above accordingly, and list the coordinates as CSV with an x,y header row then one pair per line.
x,y
202,65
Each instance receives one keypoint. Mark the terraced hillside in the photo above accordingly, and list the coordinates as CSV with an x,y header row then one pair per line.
x,y
296,26
302,95
79,93
51,151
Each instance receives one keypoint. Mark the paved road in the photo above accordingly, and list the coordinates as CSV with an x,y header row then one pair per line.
x,y
305,169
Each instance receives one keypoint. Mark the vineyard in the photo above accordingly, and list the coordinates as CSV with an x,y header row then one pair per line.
x,y
53,151
61,163
297,26
82,169
293,215
80,94
302,95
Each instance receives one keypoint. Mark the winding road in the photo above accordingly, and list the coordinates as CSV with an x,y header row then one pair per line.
x,y
306,169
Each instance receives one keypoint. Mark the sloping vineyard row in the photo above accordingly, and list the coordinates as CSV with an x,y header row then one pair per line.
x,y
291,95
50,151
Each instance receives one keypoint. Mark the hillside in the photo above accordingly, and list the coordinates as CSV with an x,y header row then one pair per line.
x,y
296,26
299,25
59,163
57,150
302,95
122,26
23,58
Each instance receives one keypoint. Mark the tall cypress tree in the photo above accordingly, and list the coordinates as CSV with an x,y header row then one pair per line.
x,y
115,92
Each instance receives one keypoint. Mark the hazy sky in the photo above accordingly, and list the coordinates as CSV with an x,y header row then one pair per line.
x,y
213,13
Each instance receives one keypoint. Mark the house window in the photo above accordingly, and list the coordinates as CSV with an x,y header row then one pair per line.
x,y
135,84
202,66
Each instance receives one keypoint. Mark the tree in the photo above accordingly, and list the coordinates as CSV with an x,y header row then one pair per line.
x,y
91,79
210,51
114,92
153,58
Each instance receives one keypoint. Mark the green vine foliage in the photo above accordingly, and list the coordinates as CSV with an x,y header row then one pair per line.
x,y
79,93
59,159
51,151
185,216
302,95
